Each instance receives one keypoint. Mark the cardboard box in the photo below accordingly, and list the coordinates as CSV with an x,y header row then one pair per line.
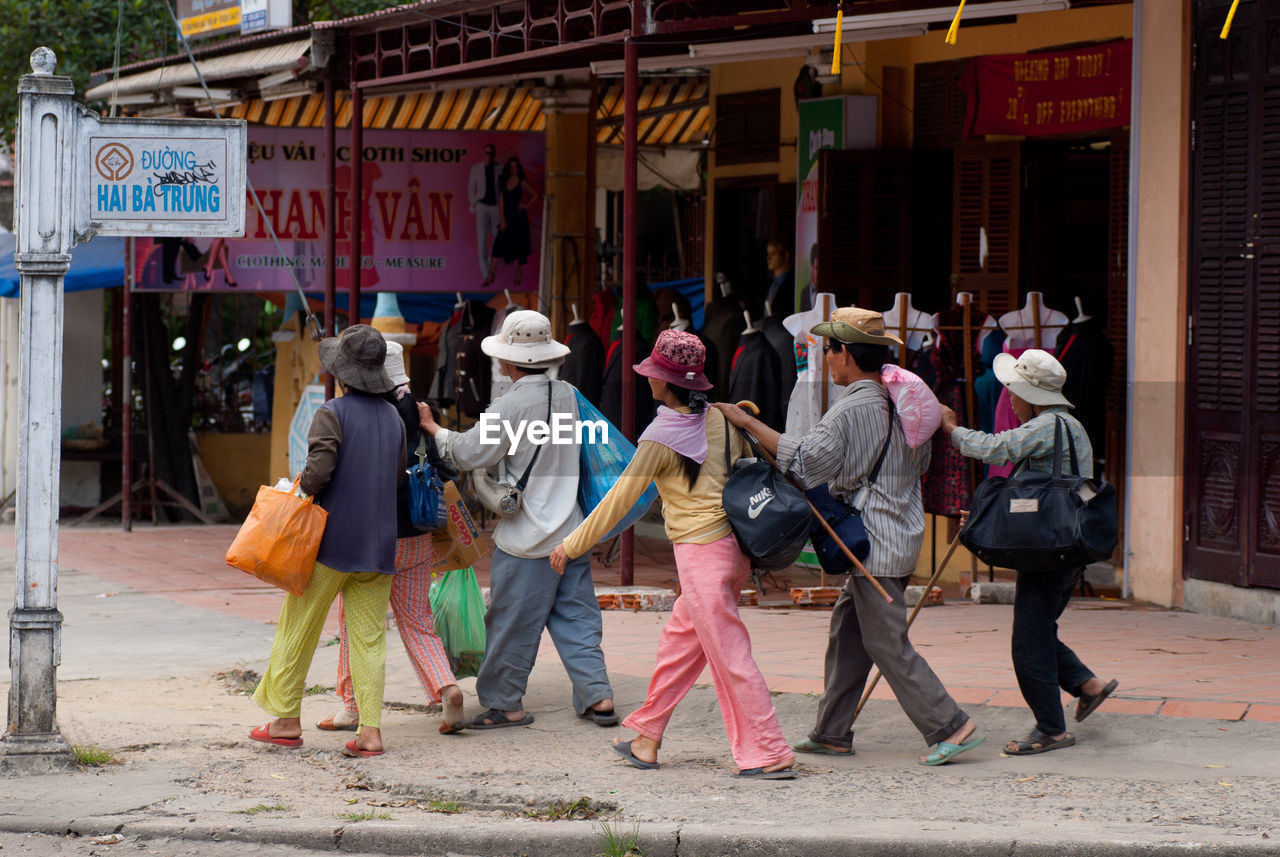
x,y
459,544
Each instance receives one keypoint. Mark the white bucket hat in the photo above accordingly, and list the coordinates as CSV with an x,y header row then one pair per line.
x,y
394,364
525,340
1036,377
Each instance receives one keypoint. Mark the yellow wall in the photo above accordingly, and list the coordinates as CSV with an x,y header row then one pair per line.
x,y
238,464
570,181
297,362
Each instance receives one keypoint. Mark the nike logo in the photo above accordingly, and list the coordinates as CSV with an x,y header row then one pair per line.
x,y
754,510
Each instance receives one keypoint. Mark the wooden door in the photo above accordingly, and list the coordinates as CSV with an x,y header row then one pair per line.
x,y
1232,527
986,210
864,225
1117,316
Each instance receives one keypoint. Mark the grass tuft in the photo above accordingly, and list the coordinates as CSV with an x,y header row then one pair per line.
x,y
445,806
364,816
562,810
620,842
262,807
94,757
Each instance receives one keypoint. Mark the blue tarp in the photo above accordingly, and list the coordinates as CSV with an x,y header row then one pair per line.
x,y
98,264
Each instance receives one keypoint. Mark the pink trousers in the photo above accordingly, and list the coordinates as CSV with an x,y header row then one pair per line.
x,y
412,609
706,630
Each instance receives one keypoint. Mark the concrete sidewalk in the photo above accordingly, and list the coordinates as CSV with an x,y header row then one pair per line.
x,y
1185,754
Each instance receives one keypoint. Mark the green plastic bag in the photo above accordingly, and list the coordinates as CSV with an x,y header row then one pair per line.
x,y
458,607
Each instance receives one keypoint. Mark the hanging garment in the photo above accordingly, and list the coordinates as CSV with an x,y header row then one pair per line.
x,y
447,363
611,393
601,312
723,325
947,489
474,369
646,314
782,343
498,382
711,365
1089,357
755,375
805,407
986,387
584,367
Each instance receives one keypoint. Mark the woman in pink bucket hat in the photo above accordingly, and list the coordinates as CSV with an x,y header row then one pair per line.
x,y
686,453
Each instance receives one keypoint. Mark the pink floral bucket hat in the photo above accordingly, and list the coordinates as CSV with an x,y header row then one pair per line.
x,y
678,357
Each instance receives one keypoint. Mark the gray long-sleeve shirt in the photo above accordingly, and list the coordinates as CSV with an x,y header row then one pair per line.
x,y
842,449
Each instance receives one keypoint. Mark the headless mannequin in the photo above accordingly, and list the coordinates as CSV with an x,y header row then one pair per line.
x,y
1081,315
751,325
1033,326
461,303
678,323
577,319
909,324
511,304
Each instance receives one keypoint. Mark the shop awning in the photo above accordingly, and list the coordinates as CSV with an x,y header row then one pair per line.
x,y
252,63
96,265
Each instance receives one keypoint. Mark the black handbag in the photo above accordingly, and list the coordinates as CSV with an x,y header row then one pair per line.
x,y
1037,521
770,516
844,519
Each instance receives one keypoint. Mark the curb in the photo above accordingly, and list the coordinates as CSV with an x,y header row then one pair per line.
x,y
518,838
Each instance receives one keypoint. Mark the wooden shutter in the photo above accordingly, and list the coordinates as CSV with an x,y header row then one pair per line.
x,y
939,104
1233,407
864,225
748,127
986,196
1117,319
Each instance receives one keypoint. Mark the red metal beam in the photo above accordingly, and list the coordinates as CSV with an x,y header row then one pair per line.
x,y
630,122
330,222
355,259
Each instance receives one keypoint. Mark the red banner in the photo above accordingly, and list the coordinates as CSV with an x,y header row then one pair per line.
x,y
1057,92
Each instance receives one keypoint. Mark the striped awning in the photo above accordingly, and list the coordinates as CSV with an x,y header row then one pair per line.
x,y
673,111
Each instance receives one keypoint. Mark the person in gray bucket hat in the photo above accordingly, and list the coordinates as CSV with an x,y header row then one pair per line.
x,y
355,459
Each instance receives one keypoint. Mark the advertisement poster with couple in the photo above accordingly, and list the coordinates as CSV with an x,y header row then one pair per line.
x,y
442,211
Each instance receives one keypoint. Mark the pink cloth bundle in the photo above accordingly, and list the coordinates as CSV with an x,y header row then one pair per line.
x,y
918,408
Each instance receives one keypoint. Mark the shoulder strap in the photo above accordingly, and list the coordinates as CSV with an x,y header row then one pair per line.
x,y
884,450
524,477
1058,429
728,429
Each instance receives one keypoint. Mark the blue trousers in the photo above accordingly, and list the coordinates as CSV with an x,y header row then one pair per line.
x,y
1041,661
525,596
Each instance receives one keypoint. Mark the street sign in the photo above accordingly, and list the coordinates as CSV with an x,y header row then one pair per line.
x,y
179,177
203,18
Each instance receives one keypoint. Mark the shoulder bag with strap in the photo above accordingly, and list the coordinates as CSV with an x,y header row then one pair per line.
x,y
768,514
844,518
502,498
1037,521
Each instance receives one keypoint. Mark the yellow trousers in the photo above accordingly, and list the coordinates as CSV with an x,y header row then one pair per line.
x,y
365,597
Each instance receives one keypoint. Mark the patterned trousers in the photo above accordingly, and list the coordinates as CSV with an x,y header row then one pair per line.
x,y
412,609
298,631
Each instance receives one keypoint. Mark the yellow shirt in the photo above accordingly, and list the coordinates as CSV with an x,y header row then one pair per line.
x,y
693,515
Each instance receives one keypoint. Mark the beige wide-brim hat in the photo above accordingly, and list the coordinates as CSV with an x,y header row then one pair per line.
x,y
853,325
394,364
1036,377
525,340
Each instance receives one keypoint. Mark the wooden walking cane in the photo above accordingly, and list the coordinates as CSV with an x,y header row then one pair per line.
x,y
875,679
774,464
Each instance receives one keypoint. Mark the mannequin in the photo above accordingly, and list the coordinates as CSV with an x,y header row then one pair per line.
x,y
912,326
584,367
577,319
1081,315
460,303
678,323
814,391
511,304
756,374
751,325
1033,326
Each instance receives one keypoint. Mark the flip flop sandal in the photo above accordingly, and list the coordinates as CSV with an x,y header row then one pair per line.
x,y
350,749
1088,704
343,721
496,719
1028,746
458,723
762,774
811,746
447,728
602,718
263,733
947,751
623,749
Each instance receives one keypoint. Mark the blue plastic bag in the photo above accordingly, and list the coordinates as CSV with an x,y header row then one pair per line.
x,y
600,466
426,496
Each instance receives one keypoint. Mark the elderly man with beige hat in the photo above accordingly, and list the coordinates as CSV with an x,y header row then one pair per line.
x,y
526,593
1041,661
842,452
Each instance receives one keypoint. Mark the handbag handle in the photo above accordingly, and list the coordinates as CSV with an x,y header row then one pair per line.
x,y
1057,450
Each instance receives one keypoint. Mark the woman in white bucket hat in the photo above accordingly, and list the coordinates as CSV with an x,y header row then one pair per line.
x,y
1041,661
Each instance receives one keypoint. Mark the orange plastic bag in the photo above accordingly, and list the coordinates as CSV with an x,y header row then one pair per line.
x,y
279,540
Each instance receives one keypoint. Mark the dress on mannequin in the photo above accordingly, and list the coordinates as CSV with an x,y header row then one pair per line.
x,y
584,367
946,488
986,387
909,324
1021,325
781,341
611,389
724,326
1088,356
755,376
806,406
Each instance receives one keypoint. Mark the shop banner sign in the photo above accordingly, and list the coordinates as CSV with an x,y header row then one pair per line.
x,y
1058,92
420,229
821,127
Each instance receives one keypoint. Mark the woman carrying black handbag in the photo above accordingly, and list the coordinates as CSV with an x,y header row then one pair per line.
x,y
1041,661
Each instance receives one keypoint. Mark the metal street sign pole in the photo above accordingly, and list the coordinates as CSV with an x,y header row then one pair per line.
x,y
76,176
43,214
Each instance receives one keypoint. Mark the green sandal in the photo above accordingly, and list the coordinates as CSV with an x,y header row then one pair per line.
x,y
810,746
947,751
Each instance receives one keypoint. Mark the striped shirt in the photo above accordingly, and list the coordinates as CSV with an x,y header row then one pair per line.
x,y
1033,440
842,449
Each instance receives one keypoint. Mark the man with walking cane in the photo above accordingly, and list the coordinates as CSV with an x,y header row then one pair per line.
x,y
842,450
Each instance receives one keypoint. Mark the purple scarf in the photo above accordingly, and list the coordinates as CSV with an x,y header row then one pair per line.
x,y
685,434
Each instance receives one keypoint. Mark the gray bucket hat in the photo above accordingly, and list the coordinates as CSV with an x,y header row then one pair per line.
x,y
356,359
